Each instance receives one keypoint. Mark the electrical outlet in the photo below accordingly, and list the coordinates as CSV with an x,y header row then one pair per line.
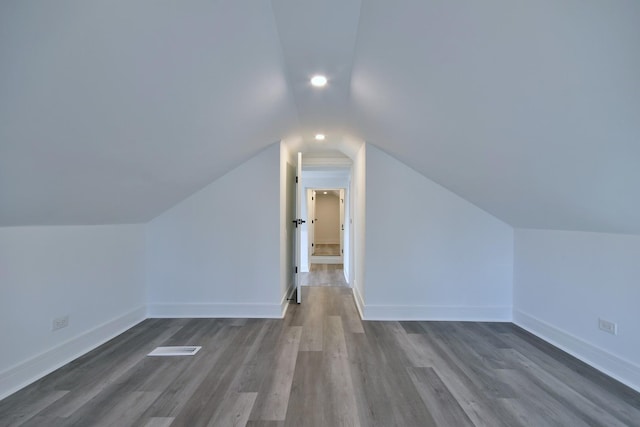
x,y
60,322
607,326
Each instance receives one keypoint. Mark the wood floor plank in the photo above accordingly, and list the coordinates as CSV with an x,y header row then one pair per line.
x,y
350,316
205,404
442,405
340,401
25,412
179,392
571,400
274,394
617,404
306,403
478,406
312,330
159,422
236,409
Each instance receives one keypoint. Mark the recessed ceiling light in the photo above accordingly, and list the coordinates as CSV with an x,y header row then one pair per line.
x,y
318,80
319,137
325,192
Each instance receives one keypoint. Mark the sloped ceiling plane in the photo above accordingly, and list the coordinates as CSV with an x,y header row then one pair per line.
x,y
111,112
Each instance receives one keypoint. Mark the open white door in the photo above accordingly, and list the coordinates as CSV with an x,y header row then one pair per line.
x,y
342,224
311,197
298,221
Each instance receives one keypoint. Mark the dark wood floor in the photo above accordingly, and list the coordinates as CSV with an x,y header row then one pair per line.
x,y
322,366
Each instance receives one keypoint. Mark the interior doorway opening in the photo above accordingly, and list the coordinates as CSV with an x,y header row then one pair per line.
x,y
325,233
325,230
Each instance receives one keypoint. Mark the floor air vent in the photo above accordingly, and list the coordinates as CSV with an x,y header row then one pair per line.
x,y
175,351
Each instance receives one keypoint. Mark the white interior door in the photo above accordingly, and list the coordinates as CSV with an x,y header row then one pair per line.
x,y
342,223
311,223
299,221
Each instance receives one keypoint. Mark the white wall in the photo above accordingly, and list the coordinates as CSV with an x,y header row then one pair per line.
x,y
327,225
93,274
565,280
217,253
430,253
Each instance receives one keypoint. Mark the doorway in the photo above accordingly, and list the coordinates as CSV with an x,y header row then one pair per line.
x,y
325,219
324,249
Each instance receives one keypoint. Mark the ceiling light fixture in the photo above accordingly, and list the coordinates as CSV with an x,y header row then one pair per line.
x,y
318,80
324,192
319,137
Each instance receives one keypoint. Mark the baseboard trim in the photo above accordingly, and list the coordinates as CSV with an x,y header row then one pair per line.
x,y
31,370
622,370
284,303
359,300
446,313
212,310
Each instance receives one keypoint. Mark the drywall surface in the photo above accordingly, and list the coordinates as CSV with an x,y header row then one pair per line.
x,y
430,253
327,222
217,253
93,274
564,281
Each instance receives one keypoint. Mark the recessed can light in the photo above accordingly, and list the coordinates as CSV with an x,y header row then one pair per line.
x,y
319,137
318,80
324,192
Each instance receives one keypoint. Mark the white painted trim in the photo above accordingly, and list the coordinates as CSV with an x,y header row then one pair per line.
x,y
427,312
25,373
322,259
622,370
215,310
359,301
284,303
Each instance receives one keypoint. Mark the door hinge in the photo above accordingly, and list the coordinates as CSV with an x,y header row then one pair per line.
x,y
312,245
296,179
342,250
296,270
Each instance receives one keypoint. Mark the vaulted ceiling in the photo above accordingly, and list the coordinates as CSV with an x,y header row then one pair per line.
x,y
111,112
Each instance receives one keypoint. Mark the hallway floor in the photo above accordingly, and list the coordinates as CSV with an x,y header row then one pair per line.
x,y
324,275
322,366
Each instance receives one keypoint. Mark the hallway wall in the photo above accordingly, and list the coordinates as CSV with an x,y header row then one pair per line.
x,y
217,253
93,274
565,280
429,253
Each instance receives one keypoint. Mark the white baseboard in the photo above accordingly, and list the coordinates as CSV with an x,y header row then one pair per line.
x,y
228,310
426,312
622,370
37,367
359,300
284,303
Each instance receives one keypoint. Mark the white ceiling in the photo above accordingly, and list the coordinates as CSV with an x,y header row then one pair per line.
x,y
110,112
